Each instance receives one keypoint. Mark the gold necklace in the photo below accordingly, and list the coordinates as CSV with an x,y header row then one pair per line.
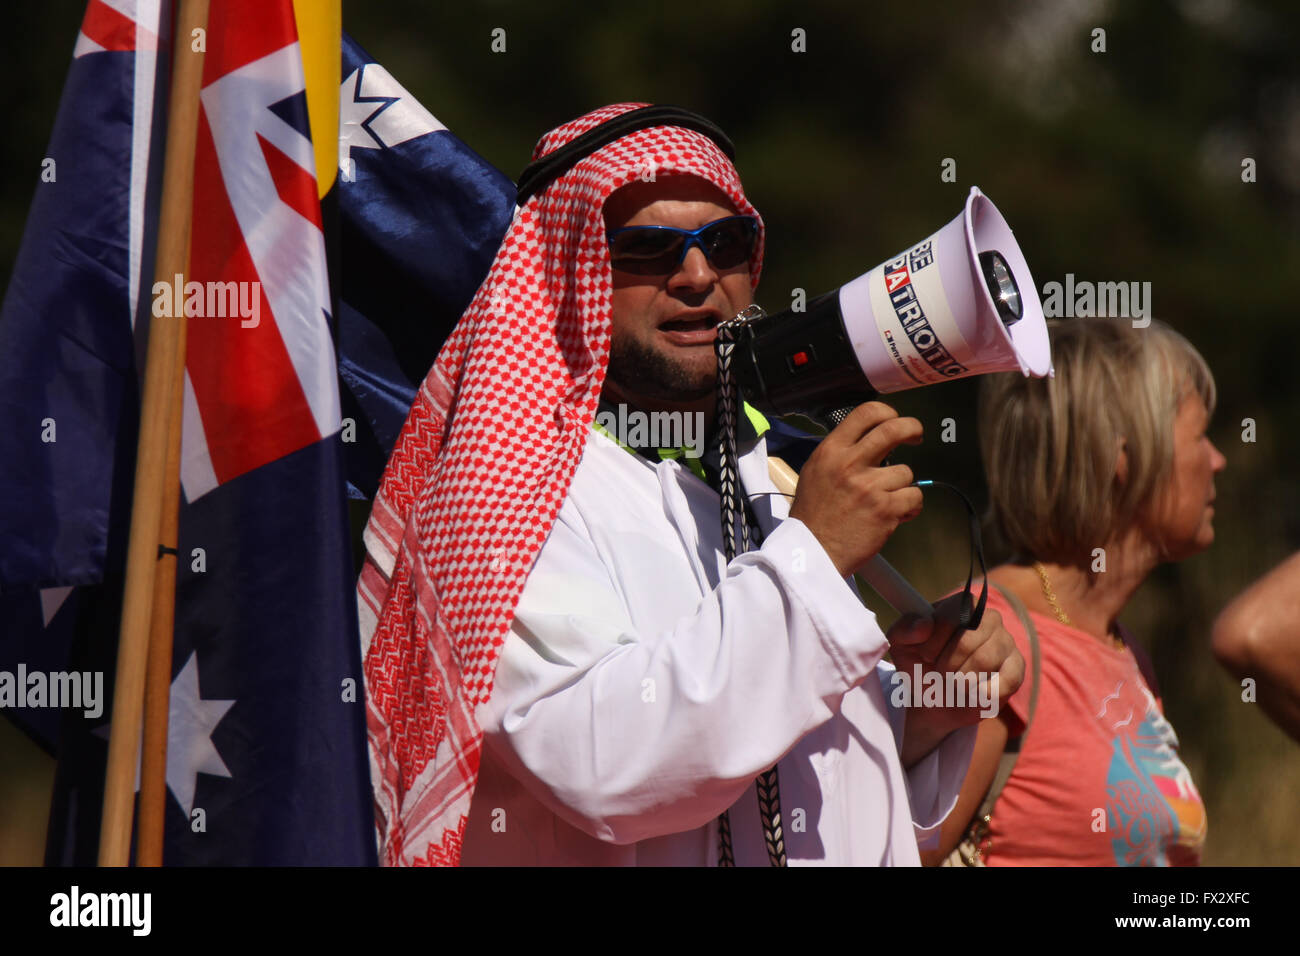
x,y
1050,594
1061,616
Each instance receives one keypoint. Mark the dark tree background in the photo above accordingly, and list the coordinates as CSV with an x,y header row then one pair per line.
x,y
1122,165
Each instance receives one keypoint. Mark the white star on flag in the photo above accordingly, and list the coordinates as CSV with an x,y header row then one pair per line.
x,y
190,723
190,750
51,600
376,112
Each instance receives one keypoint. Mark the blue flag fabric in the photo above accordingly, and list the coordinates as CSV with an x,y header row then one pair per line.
x,y
68,387
68,379
39,630
422,217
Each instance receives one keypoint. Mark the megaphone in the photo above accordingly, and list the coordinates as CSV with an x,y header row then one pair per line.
x,y
961,302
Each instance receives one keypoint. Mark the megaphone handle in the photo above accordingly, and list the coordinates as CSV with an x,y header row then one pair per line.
x,y
894,588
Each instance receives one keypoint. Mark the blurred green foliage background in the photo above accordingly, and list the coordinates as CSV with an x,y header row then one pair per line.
x,y
1123,165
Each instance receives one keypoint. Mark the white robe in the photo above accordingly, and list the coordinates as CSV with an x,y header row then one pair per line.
x,y
637,697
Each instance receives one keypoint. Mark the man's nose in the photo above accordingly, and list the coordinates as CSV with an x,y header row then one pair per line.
x,y
695,271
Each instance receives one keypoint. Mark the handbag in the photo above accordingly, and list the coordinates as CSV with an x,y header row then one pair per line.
x,y
970,851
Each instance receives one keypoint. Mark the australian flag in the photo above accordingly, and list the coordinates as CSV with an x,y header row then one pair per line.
x,y
266,758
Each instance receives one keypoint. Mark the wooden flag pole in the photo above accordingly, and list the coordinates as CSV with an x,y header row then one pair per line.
x,y
164,365
158,675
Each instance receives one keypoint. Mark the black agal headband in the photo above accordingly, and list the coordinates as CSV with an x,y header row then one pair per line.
x,y
540,174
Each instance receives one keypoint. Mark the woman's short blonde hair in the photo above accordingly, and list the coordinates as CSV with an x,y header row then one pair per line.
x,y
1051,446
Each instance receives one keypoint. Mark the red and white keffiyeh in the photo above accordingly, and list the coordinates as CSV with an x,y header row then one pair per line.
x,y
479,473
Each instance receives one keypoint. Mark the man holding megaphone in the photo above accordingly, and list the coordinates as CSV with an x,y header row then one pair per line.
x,y
562,665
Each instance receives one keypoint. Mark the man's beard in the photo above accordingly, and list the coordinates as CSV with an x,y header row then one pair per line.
x,y
638,369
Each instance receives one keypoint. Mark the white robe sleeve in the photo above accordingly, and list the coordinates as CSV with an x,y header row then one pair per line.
x,y
628,735
934,781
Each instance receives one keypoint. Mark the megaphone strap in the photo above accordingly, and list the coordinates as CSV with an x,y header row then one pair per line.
x,y
542,172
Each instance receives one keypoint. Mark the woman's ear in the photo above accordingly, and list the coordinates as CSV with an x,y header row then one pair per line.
x,y
1121,462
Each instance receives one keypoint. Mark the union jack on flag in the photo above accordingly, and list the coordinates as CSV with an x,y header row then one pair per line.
x,y
260,387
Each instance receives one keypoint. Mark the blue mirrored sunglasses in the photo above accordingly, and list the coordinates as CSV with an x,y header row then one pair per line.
x,y
659,250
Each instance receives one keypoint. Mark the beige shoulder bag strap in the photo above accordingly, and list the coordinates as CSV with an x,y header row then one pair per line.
x,y
970,851
1007,762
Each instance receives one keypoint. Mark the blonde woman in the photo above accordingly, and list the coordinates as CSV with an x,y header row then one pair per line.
x,y
1107,465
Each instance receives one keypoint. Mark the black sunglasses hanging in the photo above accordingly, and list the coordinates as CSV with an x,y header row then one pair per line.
x,y
971,615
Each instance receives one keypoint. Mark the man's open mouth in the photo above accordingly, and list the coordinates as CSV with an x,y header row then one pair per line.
x,y
697,323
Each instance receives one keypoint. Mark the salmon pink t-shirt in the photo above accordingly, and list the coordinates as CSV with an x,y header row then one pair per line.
x,y
1098,781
